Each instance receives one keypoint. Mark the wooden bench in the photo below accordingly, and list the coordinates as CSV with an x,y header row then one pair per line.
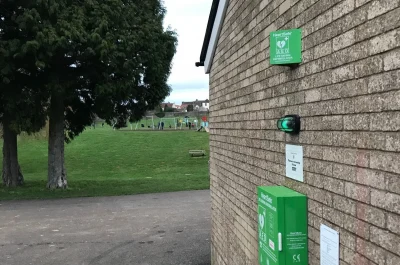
x,y
197,153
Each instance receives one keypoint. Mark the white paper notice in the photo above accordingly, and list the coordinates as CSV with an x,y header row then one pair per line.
x,y
329,246
294,162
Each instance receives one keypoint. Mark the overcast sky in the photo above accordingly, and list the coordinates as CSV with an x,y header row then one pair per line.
x,y
189,18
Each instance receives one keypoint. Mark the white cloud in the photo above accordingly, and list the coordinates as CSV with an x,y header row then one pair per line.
x,y
189,18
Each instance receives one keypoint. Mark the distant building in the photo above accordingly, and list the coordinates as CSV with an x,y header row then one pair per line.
x,y
202,105
169,105
181,108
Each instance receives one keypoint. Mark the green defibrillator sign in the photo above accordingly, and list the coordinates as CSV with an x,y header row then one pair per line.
x,y
285,47
282,226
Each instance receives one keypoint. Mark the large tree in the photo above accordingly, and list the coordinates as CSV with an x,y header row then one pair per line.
x,y
22,107
109,57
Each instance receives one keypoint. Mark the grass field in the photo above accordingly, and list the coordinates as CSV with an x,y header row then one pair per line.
x,y
103,162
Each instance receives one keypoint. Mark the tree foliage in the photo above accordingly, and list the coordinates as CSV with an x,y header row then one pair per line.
x,y
111,58
158,109
23,102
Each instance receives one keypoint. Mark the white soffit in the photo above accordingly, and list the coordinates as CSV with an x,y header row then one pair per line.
x,y
212,45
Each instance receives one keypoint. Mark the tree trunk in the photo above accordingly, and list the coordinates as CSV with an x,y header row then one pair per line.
x,y
57,175
12,175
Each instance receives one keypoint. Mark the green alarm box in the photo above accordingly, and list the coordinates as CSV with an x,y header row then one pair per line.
x,y
282,226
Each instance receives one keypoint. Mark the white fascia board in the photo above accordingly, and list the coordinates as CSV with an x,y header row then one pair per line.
x,y
212,45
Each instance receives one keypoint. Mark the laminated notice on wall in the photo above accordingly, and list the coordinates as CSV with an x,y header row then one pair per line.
x,y
329,239
294,162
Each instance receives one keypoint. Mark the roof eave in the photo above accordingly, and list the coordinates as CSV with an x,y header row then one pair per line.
x,y
217,14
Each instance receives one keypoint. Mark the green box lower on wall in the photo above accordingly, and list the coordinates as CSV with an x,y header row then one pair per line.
x,y
282,226
285,47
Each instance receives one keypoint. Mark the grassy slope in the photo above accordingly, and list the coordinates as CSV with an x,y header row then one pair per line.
x,y
103,162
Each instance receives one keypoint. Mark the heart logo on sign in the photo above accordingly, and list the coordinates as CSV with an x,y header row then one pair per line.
x,y
281,44
261,220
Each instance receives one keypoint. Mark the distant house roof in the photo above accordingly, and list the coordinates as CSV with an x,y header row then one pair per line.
x,y
214,26
196,102
170,105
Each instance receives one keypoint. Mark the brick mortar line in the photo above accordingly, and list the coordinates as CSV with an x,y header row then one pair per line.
x,y
311,48
332,177
239,233
238,199
314,145
334,145
238,191
312,102
243,188
301,78
290,142
349,14
324,189
233,225
344,213
240,187
237,11
217,250
226,184
251,172
244,27
304,170
308,117
316,131
305,90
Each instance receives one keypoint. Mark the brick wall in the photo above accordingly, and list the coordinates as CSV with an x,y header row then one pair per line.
x,y
347,91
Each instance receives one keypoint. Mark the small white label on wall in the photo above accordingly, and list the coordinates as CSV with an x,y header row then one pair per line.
x,y
329,239
294,162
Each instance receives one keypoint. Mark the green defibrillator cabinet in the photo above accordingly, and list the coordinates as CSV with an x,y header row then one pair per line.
x,y
282,226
